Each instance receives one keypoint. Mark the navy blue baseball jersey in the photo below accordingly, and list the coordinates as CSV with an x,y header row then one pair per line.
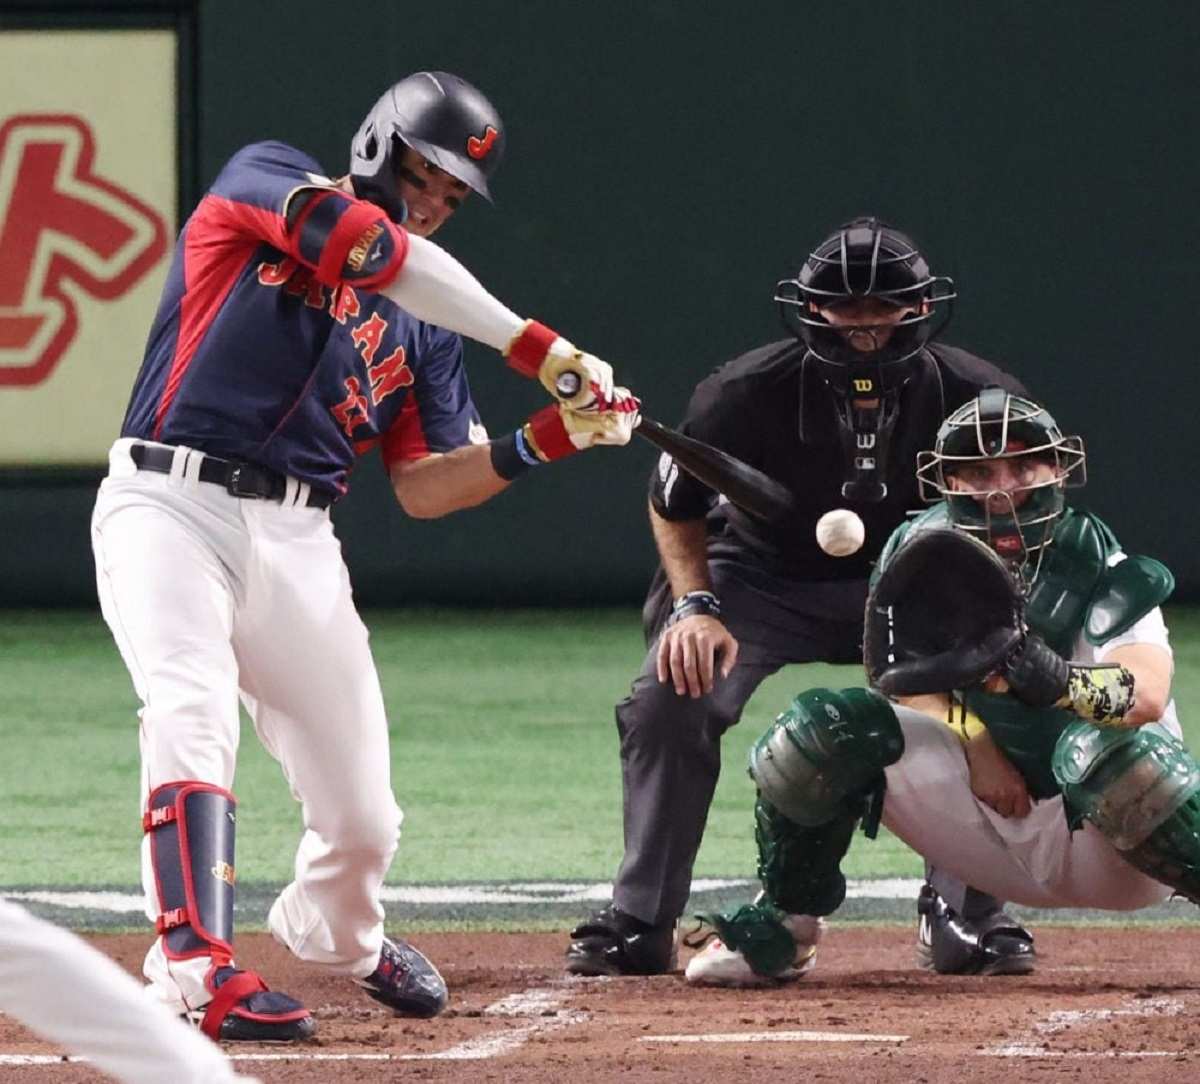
x,y
260,352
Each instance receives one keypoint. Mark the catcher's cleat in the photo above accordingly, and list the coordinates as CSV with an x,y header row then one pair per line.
x,y
244,1010
611,942
406,981
757,945
949,944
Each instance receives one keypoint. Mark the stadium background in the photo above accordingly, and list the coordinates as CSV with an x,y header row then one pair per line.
x,y
667,162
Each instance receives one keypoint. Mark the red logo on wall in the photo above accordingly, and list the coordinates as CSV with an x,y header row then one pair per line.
x,y
63,231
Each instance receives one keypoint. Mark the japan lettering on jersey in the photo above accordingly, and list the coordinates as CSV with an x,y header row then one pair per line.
x,y
251,357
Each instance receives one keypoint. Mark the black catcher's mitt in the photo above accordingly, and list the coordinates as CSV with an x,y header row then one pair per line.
x,y
945,612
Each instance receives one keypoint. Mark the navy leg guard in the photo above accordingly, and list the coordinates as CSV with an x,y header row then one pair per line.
x,y
191,826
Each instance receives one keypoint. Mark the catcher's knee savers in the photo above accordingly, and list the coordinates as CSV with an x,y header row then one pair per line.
x,y
828,746
191,827
814,768
1141,789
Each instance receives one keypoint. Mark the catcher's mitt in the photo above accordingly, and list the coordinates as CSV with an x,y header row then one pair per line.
x,y
945,612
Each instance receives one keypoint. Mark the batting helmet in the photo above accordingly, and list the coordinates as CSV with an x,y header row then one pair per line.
x,y
440,116
998,425
865,258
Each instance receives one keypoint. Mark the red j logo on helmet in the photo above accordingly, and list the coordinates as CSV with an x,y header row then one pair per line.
x,y
478,148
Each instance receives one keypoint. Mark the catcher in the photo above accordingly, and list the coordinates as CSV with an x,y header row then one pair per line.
x,y
1019,732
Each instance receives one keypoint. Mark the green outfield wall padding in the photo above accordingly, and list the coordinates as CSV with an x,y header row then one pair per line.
x,y
669,160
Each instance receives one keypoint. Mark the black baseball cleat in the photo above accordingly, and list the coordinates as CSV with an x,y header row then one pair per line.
x,y
995,944
614,943
406,981
244,1010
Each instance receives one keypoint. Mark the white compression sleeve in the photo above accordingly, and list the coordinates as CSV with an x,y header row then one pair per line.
x,y
433,286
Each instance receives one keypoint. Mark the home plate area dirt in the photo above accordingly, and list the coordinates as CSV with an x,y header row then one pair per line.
x,y
1105,1004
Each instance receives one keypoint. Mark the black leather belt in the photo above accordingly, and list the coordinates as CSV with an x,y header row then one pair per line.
x,y
246,480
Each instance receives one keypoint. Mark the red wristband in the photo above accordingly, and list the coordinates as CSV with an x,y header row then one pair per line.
x,y
529,349
550,437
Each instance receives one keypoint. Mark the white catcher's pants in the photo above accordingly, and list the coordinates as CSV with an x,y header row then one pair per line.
x,y
1033,860
210,596
67,992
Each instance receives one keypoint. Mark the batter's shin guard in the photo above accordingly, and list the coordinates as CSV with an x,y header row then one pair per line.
x,y
191,827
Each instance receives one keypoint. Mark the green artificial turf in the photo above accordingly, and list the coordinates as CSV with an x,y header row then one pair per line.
x,y
504,751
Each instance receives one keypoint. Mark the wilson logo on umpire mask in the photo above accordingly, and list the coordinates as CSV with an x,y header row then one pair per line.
x,y
61,223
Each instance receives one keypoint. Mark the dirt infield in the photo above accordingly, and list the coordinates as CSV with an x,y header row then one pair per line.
x,y
1106,1004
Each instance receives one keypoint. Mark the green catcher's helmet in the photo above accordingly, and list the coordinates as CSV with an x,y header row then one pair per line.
x,y
998,425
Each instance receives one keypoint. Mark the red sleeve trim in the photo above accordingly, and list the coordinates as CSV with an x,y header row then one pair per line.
x,y
529,349
405,440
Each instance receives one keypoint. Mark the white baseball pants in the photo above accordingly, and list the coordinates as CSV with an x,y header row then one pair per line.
x,y
67,992
211,597
1034,860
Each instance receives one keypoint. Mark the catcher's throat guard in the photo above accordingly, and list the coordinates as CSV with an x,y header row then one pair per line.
x,y
945,612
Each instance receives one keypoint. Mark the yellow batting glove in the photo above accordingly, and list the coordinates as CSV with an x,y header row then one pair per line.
x,y
558,431
573,377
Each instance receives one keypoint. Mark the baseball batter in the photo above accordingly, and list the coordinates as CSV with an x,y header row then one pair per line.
x,y
305,321
838,417
101,1013
1052,783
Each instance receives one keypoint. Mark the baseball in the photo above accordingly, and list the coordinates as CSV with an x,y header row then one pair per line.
x,y
840,532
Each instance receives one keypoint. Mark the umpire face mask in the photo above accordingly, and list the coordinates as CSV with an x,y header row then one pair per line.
x,y
866,379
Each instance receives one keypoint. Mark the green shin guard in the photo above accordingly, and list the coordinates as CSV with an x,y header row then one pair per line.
x,y
800,868
827,747
817,768
1141,788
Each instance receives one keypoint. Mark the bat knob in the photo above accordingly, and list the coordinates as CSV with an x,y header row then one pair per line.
x,y
568,384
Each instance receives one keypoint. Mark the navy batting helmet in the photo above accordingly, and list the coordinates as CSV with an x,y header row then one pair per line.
x,y
865,258
442,117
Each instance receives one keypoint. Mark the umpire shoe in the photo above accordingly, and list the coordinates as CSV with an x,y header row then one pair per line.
x,y
406,981
612,942
244,1010
757,945
994,944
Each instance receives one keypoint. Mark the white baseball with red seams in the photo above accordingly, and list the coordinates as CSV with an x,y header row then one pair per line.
x,y
840,532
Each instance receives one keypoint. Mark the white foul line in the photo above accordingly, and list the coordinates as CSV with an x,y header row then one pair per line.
x,y
1031,1046
777,1037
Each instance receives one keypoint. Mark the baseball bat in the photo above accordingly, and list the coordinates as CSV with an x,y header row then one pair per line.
x,y
741,484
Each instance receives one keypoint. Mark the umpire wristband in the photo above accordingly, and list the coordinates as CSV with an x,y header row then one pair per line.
x,y
695,602
511,456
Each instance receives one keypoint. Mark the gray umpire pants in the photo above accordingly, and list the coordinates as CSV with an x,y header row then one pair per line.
x,y
671,744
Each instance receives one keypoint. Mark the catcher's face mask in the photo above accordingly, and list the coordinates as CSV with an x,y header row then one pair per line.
x,y
1002,465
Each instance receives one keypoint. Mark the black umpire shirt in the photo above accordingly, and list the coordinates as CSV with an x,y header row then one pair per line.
x,y
774,410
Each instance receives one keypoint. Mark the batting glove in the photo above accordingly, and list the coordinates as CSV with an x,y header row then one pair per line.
x,y
559,430
573,377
